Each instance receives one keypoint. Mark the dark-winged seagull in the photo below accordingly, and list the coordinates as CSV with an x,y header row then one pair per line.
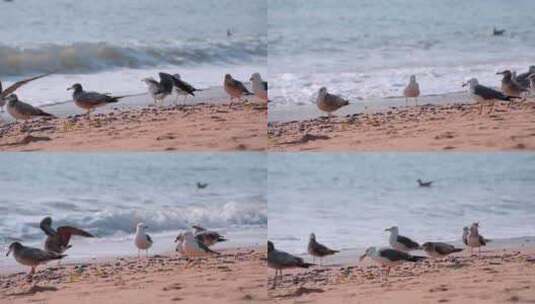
x,y
182,87
424,184
280,260
439,249
389,257
523,79
260,87
12,88
482,94
497,32
207,237
142,240
57,240
474,239
317,250
23,111
329,103
509,85
201,185
235,88
412,90
190,246
400,242
33,257
162,89
89,101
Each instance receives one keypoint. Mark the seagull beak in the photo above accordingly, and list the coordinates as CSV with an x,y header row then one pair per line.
x,y
69,88
8,252
464,84
362,257
500,73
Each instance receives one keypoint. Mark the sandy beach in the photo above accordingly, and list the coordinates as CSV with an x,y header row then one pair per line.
x,y
192,127
236,276
498,276
430,127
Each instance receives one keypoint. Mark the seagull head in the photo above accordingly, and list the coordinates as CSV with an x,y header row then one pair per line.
x,y
312,236
228,77
177,76
472,82
141,227
532,69
12,98
369,252
427,246
322,91
465,229
270,246
413,78
255,77
13,246
179,237
506,74
393,229
76,87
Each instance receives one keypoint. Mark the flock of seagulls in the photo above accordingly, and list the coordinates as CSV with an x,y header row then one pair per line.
x,y
195,243
158,90
512,87
399,251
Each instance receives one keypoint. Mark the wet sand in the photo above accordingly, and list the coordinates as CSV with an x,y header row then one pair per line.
x,y
237,276
430,127
498,276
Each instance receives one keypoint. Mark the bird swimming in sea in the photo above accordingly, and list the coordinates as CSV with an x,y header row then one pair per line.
x,y
412,90
57,240
12,88
497,32
317,250
235,88
142,240
400,242
424,184
33,257
89,101
389,257
201,185
329,103
280,260
260,87
23,111
482,94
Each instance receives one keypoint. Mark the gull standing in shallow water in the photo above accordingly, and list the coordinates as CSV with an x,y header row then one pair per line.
x,y
474,239
260,87
412,90
89,101
388,257
12,88
57,240
235,88
159,90
280,260
439,249
329,102
23,111
316,249
142,240
32,257
482,94
400,242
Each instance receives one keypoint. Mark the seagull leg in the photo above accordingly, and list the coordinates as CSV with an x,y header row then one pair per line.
x,y
416,100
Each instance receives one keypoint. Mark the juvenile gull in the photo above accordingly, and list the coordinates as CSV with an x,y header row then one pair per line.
x,y
482,94
523,79
142,240
412,90
388,257
207,237
280,260
182,87
329,102
12,88
316,249
424,184
23,111
509,86
192,247
400,242
474,239
57,240
235,88
89,101
33,257
439,249
260,87
162,89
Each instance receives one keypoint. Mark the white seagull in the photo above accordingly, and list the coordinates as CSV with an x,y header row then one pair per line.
x,y
260,87
142,240
400,242
412,90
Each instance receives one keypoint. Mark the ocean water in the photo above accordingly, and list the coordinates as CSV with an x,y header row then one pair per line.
x,y
368,48
349,199
111,45
108,194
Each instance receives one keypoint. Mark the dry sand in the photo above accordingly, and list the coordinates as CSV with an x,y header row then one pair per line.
x,y
457,127
199,127
498,276
237,276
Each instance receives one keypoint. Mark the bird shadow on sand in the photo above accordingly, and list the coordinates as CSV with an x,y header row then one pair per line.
x,y
301,291
35,289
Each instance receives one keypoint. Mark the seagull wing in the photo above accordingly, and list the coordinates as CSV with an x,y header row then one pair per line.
x,y
40,255
31,110
323,250
488,93
408,242
46,226
238,84
184,86
205,248
265,84
167,82
94,97
12,88
148,238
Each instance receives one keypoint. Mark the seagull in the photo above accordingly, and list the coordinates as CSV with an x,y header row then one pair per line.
x,y
207,237
474,239
412,90
58,240
142,240
235,88
160,90
316,249
182,87
388,257
424,184
482,94
201,185
280,260
23,111
439,249
12,88
509,86
497,32
466,230
329,102
523,79
260,87
33,257
91,100
400,242
192,247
